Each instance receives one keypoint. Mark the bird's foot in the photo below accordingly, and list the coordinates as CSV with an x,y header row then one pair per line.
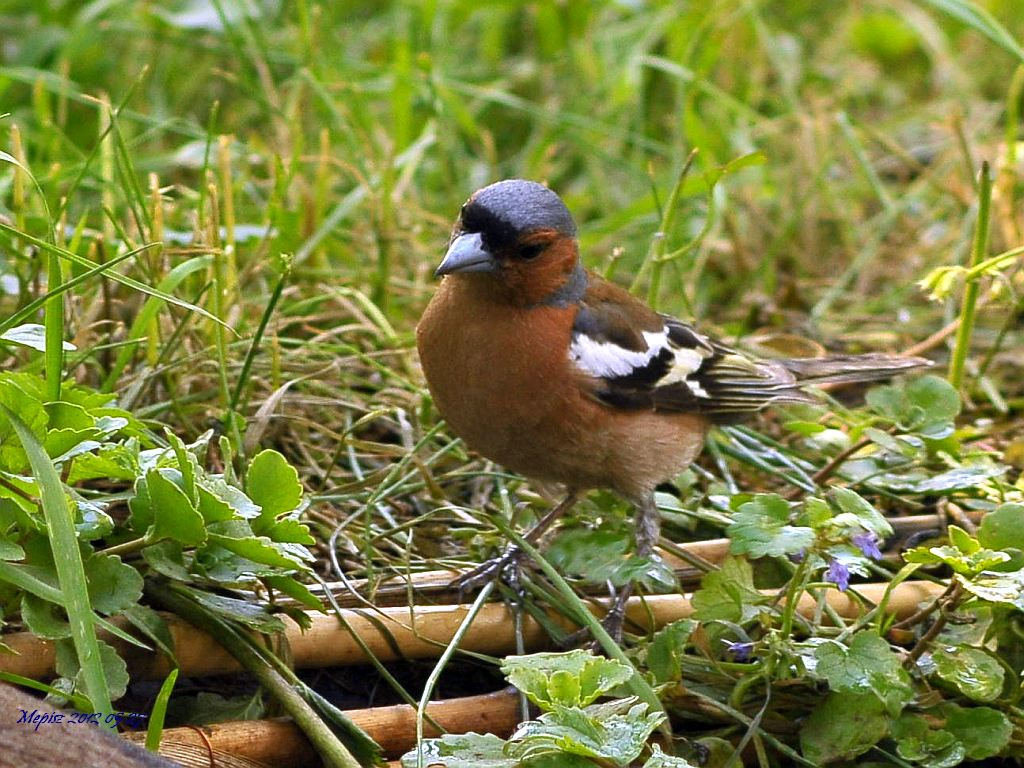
x,y
613,622
506,567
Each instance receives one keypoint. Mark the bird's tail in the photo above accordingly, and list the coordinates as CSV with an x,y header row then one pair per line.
x,y
736,385
847,369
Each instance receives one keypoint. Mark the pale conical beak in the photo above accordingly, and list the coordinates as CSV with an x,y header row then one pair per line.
x,y
467,253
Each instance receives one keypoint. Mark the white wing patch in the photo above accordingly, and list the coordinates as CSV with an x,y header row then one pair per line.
x,y
687,362
605,359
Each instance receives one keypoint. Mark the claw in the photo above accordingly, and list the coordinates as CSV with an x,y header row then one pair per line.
x,y
496,568
613,623
505,566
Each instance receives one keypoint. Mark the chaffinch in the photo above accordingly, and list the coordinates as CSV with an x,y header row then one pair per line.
x,y
548,369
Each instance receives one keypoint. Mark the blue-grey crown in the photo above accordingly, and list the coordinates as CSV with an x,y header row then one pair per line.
x,y
507,209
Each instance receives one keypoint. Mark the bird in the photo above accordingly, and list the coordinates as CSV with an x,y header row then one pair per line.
x,y
559,375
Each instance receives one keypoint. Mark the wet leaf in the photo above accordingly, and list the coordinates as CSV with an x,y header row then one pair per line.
x,y
572,679
868,664
972,671
843,726
761,527
984,732
728,594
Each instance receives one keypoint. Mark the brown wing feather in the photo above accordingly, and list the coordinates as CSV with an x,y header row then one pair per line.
x,y
634,358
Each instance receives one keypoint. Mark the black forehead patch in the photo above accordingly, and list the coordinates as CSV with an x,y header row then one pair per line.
x,y
507,209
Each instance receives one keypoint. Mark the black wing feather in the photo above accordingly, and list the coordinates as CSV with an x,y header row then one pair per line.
x,y
682,370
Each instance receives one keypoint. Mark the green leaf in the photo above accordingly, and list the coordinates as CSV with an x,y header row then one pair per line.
x,y
860,512
728,594
111,462
10,550
984,732
926,403
208,708
599,732
213,507
918,742
62,445
469,750
962,540
659,759
888,442
291,532
93,522
62,415
1006,588
113,585
67,559
244,612
843,726
174,514
295,590
963,478
761,527
44,619
937,398
816,513
153,626
890,401
1003,527
570,679
867,665
115,670
666,650
237,536
603,554
274,484
167,558
972,671
158,714
965,564
29,409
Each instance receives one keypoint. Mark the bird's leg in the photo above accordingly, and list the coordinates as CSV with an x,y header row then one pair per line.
x,y
494,567
648,525
648,528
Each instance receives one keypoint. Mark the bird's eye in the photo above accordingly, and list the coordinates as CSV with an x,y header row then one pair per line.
x,y
530,250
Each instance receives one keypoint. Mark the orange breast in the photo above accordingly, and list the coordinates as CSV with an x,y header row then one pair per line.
x,y
502,378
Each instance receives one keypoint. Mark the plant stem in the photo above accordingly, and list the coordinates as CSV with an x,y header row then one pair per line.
x,y
972,287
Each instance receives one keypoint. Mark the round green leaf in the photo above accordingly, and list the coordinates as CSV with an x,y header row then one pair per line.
x,y
971,671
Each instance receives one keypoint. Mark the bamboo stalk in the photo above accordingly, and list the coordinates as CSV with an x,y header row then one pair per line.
x,y
414,633
280,742
438,586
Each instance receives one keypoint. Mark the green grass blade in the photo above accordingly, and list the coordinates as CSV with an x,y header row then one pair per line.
x,y
155,729
116,276
149,311
981,21
68,560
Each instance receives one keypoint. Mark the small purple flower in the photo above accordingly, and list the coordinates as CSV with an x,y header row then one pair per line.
x,y
739,651
867,543
797,557
838,574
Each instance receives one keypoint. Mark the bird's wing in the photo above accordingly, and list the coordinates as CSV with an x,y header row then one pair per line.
x,y
673,367
634,358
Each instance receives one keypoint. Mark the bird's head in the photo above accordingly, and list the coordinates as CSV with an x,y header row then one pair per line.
x,y
517,238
